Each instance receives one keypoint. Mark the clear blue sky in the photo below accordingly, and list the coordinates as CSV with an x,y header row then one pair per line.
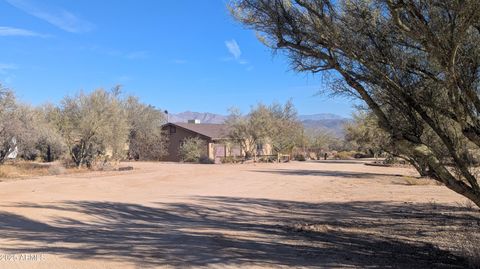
x,y
176,55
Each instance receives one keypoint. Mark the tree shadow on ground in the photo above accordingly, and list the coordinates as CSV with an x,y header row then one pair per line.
x,y
242,232
354,161
325,173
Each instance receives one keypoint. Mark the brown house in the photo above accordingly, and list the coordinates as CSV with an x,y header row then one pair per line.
x,y
217,145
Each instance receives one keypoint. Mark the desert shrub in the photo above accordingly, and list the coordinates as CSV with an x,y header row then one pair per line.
x,y
267,159
192,150
44,145
344,155
50,146
205,160
233,159
228,159
362,155
56,170
300,157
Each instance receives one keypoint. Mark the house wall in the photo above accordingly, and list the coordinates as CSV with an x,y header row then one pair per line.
x,y
266,149
230,149
175,140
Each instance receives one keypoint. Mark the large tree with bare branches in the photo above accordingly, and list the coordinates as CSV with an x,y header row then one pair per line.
x,y
415,63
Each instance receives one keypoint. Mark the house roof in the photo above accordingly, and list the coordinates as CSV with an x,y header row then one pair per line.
x,y
213,131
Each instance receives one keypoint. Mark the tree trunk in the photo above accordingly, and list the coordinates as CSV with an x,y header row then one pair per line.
x,y
441,173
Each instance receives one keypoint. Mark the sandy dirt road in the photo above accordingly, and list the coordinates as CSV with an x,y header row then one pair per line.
x,y
301,214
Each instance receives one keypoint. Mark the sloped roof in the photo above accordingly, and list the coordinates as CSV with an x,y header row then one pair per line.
x,y
213,131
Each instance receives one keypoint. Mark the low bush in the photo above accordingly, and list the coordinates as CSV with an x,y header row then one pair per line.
x,y
344,155
192,150
56,170
361,155
300,157
205,160
267,159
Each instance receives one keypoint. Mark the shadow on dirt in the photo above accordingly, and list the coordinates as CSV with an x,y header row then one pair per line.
x,y
325,173
238,231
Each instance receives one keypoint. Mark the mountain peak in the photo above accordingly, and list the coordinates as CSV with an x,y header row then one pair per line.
x,y
324,121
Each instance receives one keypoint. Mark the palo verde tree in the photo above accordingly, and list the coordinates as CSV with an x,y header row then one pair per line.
x,y
416,64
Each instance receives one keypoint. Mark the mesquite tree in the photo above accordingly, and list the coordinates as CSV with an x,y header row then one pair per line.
x,y
415,63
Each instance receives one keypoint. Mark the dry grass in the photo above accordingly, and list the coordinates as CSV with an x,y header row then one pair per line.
x,y
415,181
23,169
344,155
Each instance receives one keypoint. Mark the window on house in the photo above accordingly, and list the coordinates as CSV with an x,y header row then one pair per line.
x,y
259,146
173,129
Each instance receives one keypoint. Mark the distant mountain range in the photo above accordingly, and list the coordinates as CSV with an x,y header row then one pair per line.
x,y
324,121
205,117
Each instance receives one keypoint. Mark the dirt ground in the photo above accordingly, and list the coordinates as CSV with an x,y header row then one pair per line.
x,y
302,214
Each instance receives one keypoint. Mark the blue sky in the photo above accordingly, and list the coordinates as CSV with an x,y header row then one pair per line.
x,y
177,55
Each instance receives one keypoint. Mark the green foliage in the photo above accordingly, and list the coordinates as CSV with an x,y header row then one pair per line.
x,y
10,124
300,157
344,155
35,137
192,149
89,127
276,125
146,140
365,135
93,124
414,63
320,141
287,131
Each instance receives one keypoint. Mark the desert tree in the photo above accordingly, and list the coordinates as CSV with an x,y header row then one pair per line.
x,y
276,125
34,137
416,64
50,145
321,141
147,140
364,134
247,130
286,131
10,125
39,140
93,124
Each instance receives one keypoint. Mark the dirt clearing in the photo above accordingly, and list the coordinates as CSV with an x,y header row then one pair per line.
x,y
301,214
